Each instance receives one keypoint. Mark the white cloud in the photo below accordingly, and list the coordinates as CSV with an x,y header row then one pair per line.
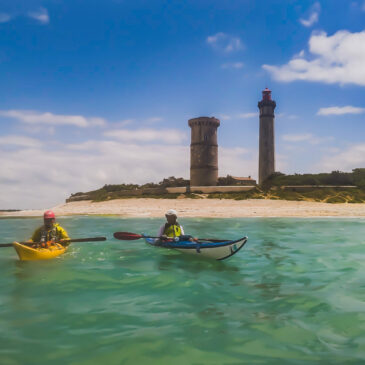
x,y
224,117
301,54
346,160
238,116
92,164
129,121
21,141
4,18
224,42
248,115
286,116
237,161
234,65
49,119
123,123
297,137
154,120
36,179
305,137
170,136
313,16
339,58
340,110
40,15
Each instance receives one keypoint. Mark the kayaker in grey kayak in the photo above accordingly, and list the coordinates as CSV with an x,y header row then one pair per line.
x,y
172,229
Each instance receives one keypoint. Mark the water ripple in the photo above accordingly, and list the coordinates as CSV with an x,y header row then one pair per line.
x,y
294,295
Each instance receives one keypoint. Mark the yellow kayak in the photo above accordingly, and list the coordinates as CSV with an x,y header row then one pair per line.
x,y
27,253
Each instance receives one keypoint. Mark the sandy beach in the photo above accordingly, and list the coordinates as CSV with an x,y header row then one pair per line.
x,y
209,208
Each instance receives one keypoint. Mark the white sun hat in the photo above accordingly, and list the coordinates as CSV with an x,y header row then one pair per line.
x,y
171,212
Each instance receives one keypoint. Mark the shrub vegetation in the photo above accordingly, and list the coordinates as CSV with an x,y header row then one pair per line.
x,y
271,189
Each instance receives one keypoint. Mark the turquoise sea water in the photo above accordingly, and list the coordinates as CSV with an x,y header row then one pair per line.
x,y
295,294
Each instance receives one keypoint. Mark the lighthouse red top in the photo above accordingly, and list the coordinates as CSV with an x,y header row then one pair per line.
x,y
266,94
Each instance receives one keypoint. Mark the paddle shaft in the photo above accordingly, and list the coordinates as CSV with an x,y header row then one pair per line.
x,y
91,239
128,236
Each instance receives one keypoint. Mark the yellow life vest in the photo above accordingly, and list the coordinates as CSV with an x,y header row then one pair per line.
x,y
55,233
172,230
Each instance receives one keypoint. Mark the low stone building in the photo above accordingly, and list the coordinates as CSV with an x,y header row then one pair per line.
x,y
244,180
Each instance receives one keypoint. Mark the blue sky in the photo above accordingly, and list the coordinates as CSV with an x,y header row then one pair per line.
x,y
100,91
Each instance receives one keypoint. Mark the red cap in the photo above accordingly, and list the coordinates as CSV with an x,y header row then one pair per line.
x,y
49,214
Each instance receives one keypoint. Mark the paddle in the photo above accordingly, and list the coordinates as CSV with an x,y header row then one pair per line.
x,y
91,239
128,236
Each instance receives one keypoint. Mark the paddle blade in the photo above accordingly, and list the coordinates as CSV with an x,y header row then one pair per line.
x,y
127,236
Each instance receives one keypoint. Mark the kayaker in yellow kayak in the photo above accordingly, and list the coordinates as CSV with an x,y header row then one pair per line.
x,y
172,229
50,232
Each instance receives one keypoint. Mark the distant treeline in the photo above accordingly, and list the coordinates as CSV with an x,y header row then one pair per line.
x,y
354,178
153,190
108,192
324,195
273,188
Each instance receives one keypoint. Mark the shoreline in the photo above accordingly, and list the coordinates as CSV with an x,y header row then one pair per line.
x,y
201,208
